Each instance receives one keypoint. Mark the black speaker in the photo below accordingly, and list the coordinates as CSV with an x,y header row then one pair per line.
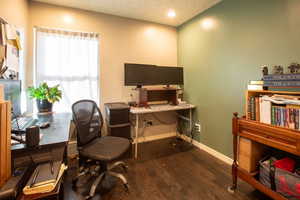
x,y
32,136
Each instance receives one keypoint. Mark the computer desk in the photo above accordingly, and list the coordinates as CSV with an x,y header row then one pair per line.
x,y
54,137
137,111
56,134
52,147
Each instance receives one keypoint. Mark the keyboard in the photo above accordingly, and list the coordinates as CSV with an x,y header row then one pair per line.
x,y
21,123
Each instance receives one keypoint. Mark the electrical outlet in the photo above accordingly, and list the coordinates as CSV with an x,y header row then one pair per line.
x,y
148,123
198,127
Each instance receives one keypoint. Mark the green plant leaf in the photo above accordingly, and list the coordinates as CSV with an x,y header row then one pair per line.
x,y
43,91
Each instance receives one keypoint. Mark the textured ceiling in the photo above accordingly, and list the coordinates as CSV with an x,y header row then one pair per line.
x,y
149,10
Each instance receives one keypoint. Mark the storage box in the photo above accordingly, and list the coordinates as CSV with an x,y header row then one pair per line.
x,y
279,180
117,113
250,153
120,130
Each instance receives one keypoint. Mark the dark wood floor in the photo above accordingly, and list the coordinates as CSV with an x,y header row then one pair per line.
x,y
168,172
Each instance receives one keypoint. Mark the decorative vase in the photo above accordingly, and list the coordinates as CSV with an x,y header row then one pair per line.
x,y
44,105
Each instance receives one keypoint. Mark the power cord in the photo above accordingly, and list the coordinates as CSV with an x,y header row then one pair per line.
x,y
15,117
190,132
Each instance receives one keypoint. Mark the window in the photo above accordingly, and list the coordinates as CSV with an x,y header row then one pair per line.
x,y
69,59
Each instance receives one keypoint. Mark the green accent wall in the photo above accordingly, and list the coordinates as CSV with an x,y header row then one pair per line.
x,y
223,48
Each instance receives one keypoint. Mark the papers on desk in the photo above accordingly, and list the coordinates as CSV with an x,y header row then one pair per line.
x,y
12,57
45,178
10,45
11,32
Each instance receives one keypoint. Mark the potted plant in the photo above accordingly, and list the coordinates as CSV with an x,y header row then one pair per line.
x,y
45,96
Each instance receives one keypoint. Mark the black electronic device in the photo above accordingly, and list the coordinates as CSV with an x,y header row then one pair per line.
x,y
44,125
140,74
117,113
12,93
32,136
117,119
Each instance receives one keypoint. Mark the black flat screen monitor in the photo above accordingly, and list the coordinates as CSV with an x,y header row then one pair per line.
x,y
140,74
12,93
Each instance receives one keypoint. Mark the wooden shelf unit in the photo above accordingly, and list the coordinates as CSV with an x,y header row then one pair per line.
x,y
5,145
284,139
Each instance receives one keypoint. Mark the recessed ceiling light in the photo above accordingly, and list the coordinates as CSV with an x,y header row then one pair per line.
x,y
68,19
171,13
208,23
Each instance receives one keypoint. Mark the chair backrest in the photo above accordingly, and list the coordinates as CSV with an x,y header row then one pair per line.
x,y
88,120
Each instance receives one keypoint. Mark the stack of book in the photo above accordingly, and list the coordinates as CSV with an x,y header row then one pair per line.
x,y
278,110
45,178
255,85
282,80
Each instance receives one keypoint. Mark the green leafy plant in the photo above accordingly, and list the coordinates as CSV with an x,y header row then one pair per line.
x,y
43,91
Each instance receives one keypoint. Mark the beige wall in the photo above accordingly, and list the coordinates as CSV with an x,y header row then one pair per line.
x,y
15,12
121,40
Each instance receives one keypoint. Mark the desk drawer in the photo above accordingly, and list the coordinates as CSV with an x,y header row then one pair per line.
x,y
282,138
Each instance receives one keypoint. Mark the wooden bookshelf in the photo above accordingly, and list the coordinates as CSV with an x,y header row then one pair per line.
x,y
281,138
5,145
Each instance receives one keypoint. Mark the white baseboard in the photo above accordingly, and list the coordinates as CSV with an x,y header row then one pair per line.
x,y
209,150
197,144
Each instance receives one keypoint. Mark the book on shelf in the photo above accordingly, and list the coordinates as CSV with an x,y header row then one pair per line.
x,y
257,108
279,77
277,110
284,89
44,178
260,82
282,83
255,85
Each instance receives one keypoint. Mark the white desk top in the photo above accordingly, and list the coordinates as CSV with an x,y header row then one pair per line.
x,y
160,108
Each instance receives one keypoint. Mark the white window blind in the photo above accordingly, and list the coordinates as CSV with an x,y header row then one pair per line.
x,y
69,59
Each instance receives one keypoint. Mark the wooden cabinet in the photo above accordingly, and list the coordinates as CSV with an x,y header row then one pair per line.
x,y
5,131
284,139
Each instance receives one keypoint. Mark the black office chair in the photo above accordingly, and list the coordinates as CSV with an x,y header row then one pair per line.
x,y
93,147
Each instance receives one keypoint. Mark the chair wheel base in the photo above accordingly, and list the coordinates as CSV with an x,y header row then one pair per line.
x,y
74,184
88,197
126,186
125,168
231,189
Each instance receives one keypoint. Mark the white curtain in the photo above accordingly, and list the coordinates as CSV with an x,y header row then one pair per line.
x,y
69,59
